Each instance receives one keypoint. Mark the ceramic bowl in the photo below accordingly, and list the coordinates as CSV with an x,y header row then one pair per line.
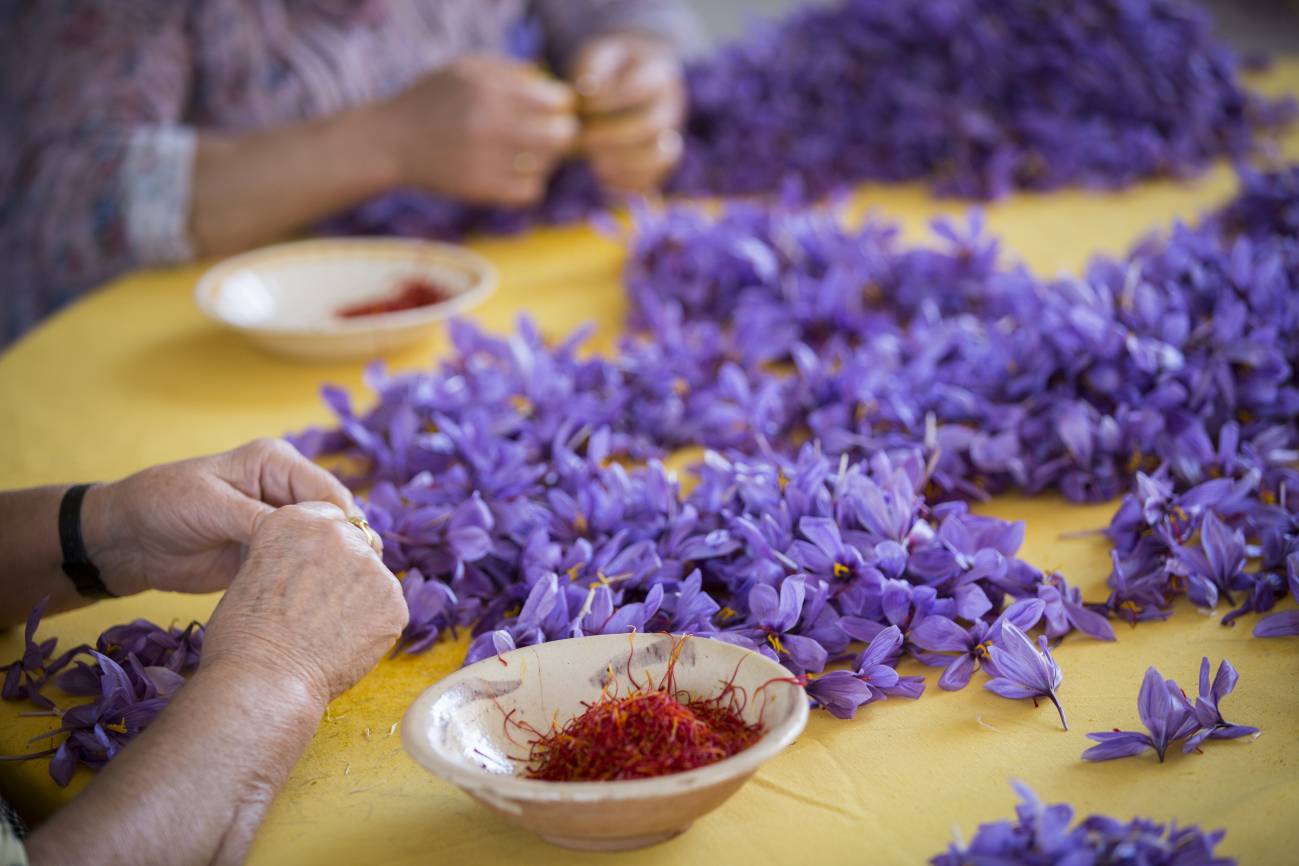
x,y
286,298
457,730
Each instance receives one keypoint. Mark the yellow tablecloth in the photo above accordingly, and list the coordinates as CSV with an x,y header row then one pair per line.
x,y
133,375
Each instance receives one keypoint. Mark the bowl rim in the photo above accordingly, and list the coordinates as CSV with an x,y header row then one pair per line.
x,y
485,278
510,787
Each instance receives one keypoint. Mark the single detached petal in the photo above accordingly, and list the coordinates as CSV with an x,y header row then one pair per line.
x,y
1283,624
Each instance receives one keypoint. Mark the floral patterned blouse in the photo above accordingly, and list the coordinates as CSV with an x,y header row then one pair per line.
x,y
101,101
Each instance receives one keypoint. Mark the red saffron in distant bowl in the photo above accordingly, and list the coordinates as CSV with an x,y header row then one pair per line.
x,y
411,294
654,731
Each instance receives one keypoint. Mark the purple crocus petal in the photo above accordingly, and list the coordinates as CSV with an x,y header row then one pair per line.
x,y
806,653
1009,688
764,604
792,593
541,601
63,765
1283,624
1224,681
470,543
1194,741
906,687
860,628
971,603
884,646
1232,732
940,634
1154,705
956,675
840,692
1023,614
164,680
1089,622
1117,744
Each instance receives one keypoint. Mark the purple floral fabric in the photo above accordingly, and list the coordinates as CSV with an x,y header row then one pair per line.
x,y
100,103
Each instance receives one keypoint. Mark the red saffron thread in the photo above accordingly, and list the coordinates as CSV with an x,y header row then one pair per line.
x,y
653,731
412,293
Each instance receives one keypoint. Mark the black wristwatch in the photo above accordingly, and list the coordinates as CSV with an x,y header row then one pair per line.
x,y
76,562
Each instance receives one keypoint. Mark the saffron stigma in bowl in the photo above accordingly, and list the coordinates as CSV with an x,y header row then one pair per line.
x,y
412,293
653,731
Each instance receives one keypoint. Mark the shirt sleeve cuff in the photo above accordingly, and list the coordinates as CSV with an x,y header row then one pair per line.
x,y
157,180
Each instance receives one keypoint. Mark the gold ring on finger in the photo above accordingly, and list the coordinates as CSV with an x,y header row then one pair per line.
x,y
371,537
669,143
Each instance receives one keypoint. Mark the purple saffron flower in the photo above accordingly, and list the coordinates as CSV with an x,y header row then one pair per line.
x,y
25,677
1285,623
772,619
125,705
972,646
1208,714
1212,568
431,604
1041,834
1065,611
842,692
1165,712
1023,671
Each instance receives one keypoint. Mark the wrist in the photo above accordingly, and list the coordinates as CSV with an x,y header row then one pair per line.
x,y
371,135
107,546
297,703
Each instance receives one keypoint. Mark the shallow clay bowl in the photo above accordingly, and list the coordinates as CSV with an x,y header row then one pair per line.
x,y
286,298
457,730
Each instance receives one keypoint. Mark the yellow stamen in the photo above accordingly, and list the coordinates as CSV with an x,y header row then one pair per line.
x,y
727,613
774,640
841,571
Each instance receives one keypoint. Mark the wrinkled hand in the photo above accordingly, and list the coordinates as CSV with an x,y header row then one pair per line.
x,y
313,602
482,130
633,102
185,526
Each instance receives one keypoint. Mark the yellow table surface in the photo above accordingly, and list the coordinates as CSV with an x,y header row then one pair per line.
x,y
132,375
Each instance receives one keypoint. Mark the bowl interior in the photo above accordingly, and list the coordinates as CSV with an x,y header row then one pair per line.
x,y
459,727
302,286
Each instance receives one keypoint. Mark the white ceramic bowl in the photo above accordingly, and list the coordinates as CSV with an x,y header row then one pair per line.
x,y
457,730
286,297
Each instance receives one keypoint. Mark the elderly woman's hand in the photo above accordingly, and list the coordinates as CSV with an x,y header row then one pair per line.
x,y
185,526
482,130
633,101
313,603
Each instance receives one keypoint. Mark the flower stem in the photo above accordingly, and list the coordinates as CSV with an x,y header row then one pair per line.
x,y
1059,708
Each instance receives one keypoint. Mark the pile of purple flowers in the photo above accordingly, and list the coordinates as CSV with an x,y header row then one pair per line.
x,y
1046,835
980,97
854,395
130,676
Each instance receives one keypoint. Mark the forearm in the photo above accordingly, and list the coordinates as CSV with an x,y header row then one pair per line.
x,y
194,787
251,188
31,557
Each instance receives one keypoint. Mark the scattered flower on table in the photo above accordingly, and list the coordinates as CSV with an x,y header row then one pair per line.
x,y
1023,670
1046,835
1170,716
